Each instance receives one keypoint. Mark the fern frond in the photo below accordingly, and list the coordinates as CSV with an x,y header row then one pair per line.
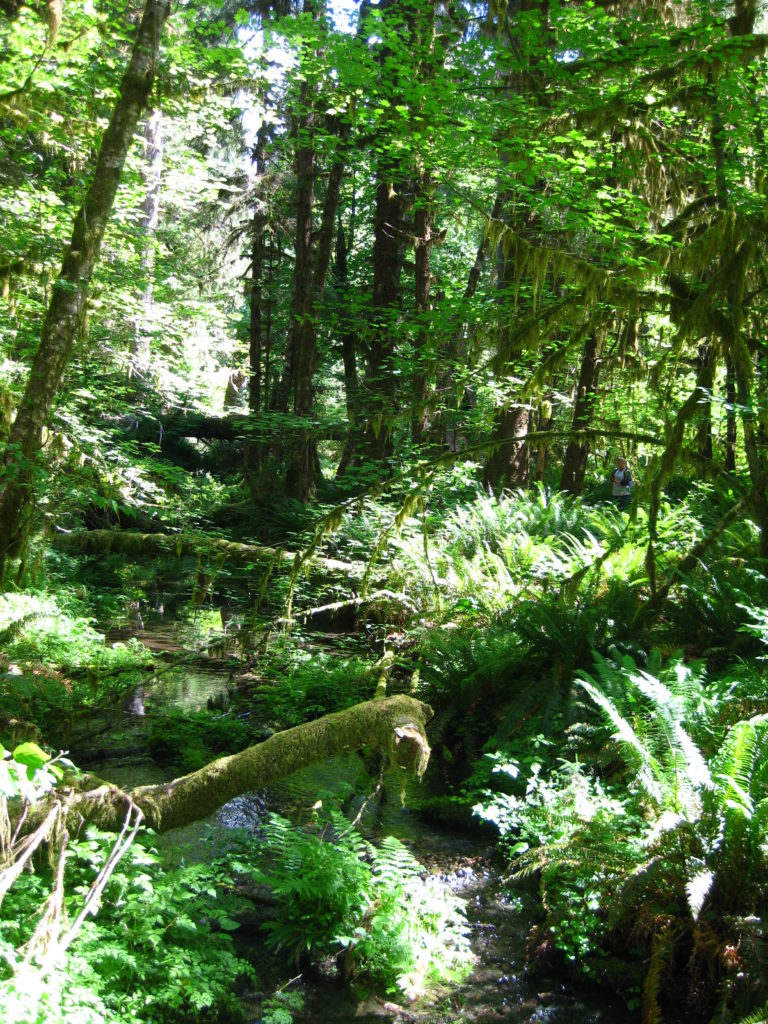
x,y
758,1017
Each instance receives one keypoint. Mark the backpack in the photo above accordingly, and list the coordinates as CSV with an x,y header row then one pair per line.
x,y
629,480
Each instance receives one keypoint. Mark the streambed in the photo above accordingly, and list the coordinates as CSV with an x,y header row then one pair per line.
x,y
501,987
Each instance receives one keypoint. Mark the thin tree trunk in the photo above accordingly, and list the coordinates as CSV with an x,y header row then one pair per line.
x,y
348,348
743,374
423,216
704,430
577,452
153,168
254,447
509,460
730,416
255,298
70,291
457,353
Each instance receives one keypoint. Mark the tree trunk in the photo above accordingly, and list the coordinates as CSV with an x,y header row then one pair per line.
x,y
730,416
704,430
300,478
253,453
258,251
388,258
349,341
575,461
508,462
70,291
423,216
743,375
456,354
153,168
546,422
426,62
395,725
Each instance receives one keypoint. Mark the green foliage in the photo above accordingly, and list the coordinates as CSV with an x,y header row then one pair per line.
x,y
57,661
57,630
281,1007
662,851
28,772
304,685
368,905
188,740
159,950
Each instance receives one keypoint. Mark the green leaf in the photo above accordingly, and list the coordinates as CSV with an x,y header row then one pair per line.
x,y
30,755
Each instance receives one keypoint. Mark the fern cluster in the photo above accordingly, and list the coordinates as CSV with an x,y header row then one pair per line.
x,y
367,906
662,844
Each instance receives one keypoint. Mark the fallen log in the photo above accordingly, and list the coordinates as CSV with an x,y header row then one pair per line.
x,y
395,725
179,545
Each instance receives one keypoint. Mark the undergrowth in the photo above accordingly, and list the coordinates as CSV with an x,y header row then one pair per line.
x,y
367,906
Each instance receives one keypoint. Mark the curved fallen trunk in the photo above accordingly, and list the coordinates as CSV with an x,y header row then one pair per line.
x,y
395,725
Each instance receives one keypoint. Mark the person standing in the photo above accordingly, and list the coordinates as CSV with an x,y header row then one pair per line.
x,y
622,483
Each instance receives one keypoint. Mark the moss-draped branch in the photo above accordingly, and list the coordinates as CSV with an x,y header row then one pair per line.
x,y
395,725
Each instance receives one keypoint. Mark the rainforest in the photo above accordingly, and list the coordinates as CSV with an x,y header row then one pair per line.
x,y
383,511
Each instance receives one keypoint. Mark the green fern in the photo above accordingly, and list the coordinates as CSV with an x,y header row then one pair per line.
x,y
758,1017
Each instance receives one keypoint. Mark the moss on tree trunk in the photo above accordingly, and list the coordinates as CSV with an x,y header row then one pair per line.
x,y
70,292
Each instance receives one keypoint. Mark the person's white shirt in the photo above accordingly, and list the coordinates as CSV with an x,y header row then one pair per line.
x,y
622,481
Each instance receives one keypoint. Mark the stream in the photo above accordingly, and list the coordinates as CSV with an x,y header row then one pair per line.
x,y
501,987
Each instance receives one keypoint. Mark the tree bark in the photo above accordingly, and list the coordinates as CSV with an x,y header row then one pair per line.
x,y
422,32
423,217
704,430
349,341
395,725
300,478
388,259
70,291
258,252
577,452
153,169
389,240
730,416
743,376
546,422
508,462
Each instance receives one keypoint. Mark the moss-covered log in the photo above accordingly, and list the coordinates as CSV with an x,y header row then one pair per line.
x,y
395,725
179,545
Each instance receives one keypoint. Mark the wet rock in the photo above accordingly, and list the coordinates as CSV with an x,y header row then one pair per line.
x,y
134,702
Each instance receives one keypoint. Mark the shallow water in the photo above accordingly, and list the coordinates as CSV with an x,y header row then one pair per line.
x,y
501,987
